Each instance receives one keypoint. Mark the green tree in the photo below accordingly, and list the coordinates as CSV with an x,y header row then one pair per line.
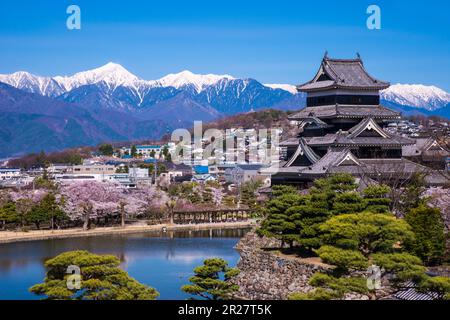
x,y
376,198
328,188
152,153
229,201
331,287
279,190
106,149
48,209
438,285
207,196
133,151
352,242
249,193
8,213
428,227
281,215
211,280
101,279
347,202
412,196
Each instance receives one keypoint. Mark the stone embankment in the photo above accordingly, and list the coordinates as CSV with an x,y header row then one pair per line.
x,y
267,274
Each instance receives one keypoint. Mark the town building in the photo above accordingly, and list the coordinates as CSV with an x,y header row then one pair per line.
x,y
342,129
243,173
144,151
9,173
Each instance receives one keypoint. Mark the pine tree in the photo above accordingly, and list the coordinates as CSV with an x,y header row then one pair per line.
x,y
100,279
428,227
207,282
376,198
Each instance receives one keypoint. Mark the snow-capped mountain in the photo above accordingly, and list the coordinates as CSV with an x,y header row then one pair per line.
x,y
286,87
113,86
416,95
34,84
187,78
111,103
112,74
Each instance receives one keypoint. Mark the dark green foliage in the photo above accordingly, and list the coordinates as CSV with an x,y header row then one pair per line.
x,y
133,151
405,266
8,213
47,210
412,197
281,216
366,232
106,149
348,202
211,280
249,194
279,190
376,198
344,259
329,287
101,279
439,285
428,227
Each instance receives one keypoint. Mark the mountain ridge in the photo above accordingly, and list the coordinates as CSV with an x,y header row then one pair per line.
x,y
110,104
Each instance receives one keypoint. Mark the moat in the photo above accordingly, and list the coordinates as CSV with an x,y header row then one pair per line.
x,y
162,260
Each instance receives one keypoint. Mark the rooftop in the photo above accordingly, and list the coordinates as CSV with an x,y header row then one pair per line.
x,y
345,111
342,73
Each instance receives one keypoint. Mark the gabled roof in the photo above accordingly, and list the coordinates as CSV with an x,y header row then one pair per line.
x,y
421,146
366,124
353,137
313,120
303,150
342,73
345,111
332,159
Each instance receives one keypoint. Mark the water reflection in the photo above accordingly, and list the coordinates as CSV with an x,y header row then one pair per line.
x,y
163,260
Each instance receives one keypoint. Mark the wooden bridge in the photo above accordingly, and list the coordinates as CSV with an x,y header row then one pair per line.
x,y
212,215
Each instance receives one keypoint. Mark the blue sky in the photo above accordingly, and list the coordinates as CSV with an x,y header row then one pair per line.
x,y
273,42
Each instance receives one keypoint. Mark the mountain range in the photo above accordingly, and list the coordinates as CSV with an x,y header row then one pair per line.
x,y
111,104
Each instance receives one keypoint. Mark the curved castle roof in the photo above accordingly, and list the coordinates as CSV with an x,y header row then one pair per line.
x,y
342,74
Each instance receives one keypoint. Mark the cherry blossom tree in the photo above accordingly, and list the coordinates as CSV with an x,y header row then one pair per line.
x,y
88,199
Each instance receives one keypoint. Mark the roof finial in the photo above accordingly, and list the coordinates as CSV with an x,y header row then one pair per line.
x,y
325,56
358,56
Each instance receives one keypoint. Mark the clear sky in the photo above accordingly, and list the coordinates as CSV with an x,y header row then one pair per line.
x,y
272,41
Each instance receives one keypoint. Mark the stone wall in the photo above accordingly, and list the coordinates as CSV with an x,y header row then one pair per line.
x,y
266,275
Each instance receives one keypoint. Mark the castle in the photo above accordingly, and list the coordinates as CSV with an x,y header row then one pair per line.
x,y
341,130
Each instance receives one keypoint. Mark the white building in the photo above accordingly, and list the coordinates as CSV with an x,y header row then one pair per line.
x,y
9,173
145,151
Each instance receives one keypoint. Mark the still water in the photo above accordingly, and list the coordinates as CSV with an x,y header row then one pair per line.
x,y
162,260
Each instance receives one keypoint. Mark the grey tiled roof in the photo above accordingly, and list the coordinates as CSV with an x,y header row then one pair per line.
x,y
345,111
344,139
303,149
330,160
343,73
290,142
